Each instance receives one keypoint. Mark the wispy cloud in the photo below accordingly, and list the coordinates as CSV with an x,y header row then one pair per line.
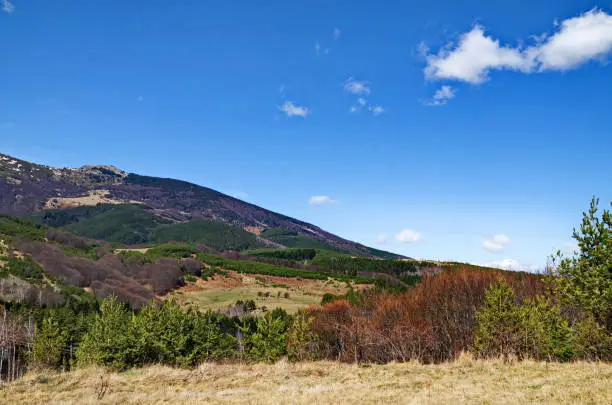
x,y
7,6
376,109
408,236
356,87
293,110
506,264
495,243
319,50
573,42
382,239
337,34
441,96
325,50
321,200
362,103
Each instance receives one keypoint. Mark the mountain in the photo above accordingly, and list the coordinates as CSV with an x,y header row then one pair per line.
x,y
31,189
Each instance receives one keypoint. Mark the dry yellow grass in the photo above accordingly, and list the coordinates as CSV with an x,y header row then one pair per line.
x,y
219,292
93,197
465,381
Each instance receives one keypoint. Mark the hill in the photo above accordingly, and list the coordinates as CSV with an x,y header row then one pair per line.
x,y
29,188
47,266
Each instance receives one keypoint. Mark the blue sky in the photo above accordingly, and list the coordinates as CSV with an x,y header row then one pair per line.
x,y
438,130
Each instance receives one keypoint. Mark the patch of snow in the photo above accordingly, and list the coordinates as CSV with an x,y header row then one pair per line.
x,y
311,230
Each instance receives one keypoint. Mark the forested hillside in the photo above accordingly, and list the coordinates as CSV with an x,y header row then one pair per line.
x,y
27,188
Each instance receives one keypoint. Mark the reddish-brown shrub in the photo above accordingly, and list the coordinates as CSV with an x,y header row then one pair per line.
x,y
432,322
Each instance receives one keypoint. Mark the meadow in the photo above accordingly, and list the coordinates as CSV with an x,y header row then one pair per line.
x,y
290,294
465,381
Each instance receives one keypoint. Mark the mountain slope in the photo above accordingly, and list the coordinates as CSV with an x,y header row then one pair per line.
x,y
28,188
123,223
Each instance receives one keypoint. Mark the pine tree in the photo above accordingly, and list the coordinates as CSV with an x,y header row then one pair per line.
x,y
585,280
110,340
48,345
498,322
300,338
269,341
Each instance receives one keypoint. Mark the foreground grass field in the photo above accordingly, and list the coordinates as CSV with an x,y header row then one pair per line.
x,y
465,381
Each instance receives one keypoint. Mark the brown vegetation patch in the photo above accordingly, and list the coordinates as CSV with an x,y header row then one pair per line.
x,y
254,229
432,322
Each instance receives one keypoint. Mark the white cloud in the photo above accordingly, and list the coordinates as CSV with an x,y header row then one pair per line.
x,y
441,96
506,264
281,90
382,239
472,58
578,40
321,200
353,86
7,6
291,109
376,109
361,88
363,103
318,48
496,243
514,265
574,42
337,33
408,236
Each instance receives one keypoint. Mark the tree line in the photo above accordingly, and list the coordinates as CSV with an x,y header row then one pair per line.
x,y
562,315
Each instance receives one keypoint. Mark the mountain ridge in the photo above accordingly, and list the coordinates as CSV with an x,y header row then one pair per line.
x,y
29,188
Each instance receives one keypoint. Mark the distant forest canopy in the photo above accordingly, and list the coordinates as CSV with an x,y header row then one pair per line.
x,y
136,224
133,224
